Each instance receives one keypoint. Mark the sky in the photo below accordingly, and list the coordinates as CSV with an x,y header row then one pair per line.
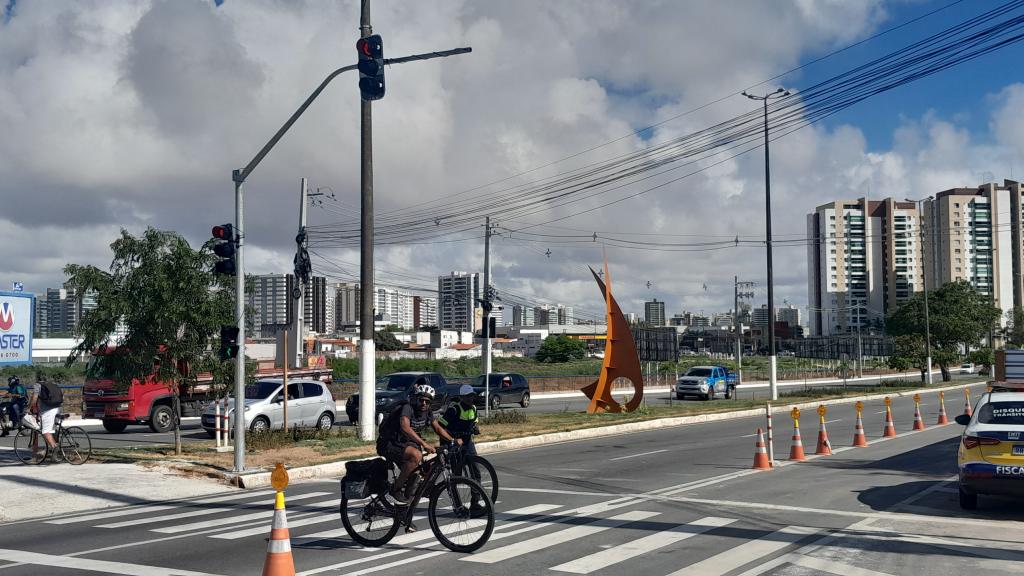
x,y
134,113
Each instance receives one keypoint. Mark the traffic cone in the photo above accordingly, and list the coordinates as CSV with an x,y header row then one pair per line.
x,y
859,439
796,452
942,410
761,453
967,405
918,421
279,560
824,448
890,428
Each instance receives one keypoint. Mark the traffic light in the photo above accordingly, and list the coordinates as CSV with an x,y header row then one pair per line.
x,y
225,249
492,328
371,67
228,342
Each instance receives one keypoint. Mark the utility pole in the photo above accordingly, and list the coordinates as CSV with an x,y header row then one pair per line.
x,y
487,317
368,295
301,286
924,282
238,177
772,359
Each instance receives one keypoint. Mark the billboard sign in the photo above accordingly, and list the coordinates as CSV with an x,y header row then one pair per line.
x,y
16,317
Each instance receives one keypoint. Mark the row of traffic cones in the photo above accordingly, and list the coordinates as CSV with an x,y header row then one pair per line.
x,y
824,447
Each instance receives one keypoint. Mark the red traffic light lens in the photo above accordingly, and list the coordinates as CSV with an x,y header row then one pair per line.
x,y
223,232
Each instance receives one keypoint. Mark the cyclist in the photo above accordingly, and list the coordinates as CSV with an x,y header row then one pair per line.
x,y
399,437
46,401
459,420
17,400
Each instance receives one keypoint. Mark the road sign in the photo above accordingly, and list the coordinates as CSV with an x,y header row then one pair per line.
x,y
18,287
795,413
822,410
860,406
888,402
16,317
917,398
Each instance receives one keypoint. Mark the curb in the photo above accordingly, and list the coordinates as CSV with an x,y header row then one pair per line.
x,y
259,479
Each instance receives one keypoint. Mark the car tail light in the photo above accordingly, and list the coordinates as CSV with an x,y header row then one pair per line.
x,y
971,442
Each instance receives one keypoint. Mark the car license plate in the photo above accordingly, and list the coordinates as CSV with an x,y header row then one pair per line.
x,y
1018,450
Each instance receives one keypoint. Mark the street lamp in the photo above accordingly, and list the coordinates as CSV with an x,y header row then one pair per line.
x,y
924,271
772,360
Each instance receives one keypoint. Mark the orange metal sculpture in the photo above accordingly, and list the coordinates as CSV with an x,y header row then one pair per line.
x,y
620,358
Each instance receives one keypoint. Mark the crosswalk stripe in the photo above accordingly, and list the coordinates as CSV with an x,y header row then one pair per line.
x,y
621,553
747,552
192,513
237,519
833,567
562,536
156,508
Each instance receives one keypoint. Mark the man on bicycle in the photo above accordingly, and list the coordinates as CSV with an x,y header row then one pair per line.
x,y
46,401
17,400
399,437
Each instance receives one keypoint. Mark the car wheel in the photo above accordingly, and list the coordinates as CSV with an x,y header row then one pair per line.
x,y
729,392
526,400
162,419
114,426
968,501
260,425
325,421
495,401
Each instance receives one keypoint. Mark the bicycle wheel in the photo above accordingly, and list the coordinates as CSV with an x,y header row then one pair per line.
x,y
75,445
479,469
367,521
461,514
23,446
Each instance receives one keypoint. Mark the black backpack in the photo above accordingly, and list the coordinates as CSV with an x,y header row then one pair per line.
x,y
50,394
390,426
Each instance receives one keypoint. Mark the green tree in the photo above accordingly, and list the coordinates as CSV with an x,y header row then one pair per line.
x,y
169,303
959,317
559,348
385,340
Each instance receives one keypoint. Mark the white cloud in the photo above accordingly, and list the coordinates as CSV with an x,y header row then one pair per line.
x,y
135,113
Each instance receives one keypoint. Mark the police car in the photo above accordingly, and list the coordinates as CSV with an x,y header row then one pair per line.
x,y
991,455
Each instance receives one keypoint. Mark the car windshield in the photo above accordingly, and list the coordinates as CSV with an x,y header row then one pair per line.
x,y
261,390
704,372
495,380
397,381
1002,413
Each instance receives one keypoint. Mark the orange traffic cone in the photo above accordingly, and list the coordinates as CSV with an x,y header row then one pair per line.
x,y
279,560
942,410
859,439
890,428
796,452
918,421
824,448
761,453
967,403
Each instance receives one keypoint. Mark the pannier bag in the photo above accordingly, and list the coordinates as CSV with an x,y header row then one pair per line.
x,y
365,477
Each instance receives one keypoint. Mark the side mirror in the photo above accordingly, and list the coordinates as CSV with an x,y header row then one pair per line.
x,y
962,419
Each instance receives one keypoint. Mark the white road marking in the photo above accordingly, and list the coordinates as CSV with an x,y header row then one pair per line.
x,y
833,567
543,491
638,455
234,519
351,562
147,509
747,552
192,513
103,566
562,536
623,552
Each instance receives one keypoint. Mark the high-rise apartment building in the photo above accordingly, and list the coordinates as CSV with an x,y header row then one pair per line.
x,y
789,314
346,305
395,306
864,260
654,313
457,301
424,311
523,316
274,305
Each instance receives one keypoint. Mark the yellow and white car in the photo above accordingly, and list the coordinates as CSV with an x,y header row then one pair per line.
x,y
991,455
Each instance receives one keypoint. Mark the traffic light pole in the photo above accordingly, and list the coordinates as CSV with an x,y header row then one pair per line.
x,y
367,350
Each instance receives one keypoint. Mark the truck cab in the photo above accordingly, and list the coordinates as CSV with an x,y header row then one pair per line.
x,y
706,383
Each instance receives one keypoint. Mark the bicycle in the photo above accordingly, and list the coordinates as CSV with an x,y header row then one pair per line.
x,y
460,512
73,441
478,467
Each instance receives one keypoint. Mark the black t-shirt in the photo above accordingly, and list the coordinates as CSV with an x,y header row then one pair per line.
x,y
417,421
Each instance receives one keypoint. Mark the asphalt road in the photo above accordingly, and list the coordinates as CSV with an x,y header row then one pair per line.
x,y
672,501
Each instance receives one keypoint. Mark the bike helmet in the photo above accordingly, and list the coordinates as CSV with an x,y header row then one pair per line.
x,y
424,390
13,381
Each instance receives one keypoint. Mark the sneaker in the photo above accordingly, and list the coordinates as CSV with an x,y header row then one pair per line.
x,y
477,510
410,528
398,496
56,456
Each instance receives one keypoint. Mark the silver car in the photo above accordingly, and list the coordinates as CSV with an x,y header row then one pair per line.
x,y
310,404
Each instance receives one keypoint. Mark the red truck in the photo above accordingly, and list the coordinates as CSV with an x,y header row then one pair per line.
x,y
152,402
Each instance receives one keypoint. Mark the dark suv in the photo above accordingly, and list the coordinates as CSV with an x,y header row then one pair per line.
x,y
394,388
502,392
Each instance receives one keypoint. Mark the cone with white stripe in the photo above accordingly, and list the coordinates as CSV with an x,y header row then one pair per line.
x,y
918,421
279,560
943,419
890,427
824,446
860,440
967,402
761,453
796,452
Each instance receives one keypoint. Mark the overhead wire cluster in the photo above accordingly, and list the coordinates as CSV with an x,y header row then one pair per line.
x,y
456,217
